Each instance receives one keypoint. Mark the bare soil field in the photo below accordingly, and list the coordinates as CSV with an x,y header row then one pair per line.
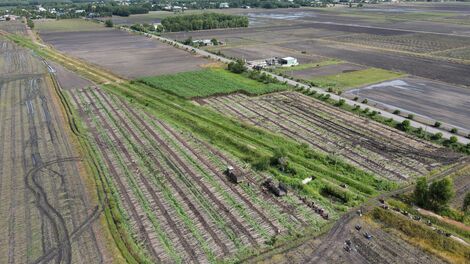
x,y
256,52
424,67
326,70
180,204
369,145
47,213
436,100
384,247
127,54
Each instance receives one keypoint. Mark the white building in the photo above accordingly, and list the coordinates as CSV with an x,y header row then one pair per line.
x,y
224,5
288,61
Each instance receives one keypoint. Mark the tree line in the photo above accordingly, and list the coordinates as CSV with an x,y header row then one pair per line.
x,y
203,21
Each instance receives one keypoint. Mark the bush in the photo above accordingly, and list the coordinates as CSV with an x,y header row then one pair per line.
x,y
237,67
365,101
341,102
454,130
405,125
437,136
108,23
453,140
437,124
396,112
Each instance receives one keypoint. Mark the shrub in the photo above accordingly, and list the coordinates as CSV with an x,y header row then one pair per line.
x,y
453,130
405,125
437,136
356,98
341,102
437,124
237,67
108,23
453,140
396,112
411,116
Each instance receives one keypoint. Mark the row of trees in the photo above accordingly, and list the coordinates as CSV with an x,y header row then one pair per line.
x,y
203,21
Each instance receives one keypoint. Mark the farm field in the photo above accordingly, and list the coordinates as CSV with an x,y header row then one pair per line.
x,y
48,213
373,147
210,82
121,147
428,49
436,100
350,79
129,55
66,25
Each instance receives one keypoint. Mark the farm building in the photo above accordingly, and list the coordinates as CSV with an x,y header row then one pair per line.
x,y
288,61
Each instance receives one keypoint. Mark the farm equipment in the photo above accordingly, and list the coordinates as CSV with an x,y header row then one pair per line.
x,y
367,235
280,190
234,175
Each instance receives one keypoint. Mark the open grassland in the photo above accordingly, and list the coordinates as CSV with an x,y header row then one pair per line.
x,y
347,80
422,236
208,82
152,150
47,213
366,144
66,25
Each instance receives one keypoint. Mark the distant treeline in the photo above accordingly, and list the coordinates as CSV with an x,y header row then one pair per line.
x,y
203,21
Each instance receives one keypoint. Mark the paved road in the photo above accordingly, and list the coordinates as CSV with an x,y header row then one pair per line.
x,y
397,118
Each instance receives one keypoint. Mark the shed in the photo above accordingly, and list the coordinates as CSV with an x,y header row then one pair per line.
x,y
288,61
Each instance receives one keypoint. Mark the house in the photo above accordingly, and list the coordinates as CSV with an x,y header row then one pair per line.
x,y
223,5
177,9
79,11
288,61
236,176
202,42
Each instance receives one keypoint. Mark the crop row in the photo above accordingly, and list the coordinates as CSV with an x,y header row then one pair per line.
x,y
212,218
330,130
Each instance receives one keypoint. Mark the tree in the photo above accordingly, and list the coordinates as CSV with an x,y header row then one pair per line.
x,y
405,125
30,23
437,124
236,67
466,203
214,42
421,192
440,193
108,23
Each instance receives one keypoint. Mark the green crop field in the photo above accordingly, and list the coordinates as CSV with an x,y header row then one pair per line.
x,y
354,79
208,82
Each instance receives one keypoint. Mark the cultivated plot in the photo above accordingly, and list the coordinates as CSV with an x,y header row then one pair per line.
x,y
127,54
369,145
172,190
435,100
47,213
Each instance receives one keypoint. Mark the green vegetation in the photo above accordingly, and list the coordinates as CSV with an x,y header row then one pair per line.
x,y
203,21
108,23
418,234
466,203
208,82
435,221
435,196
346,80
308,65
